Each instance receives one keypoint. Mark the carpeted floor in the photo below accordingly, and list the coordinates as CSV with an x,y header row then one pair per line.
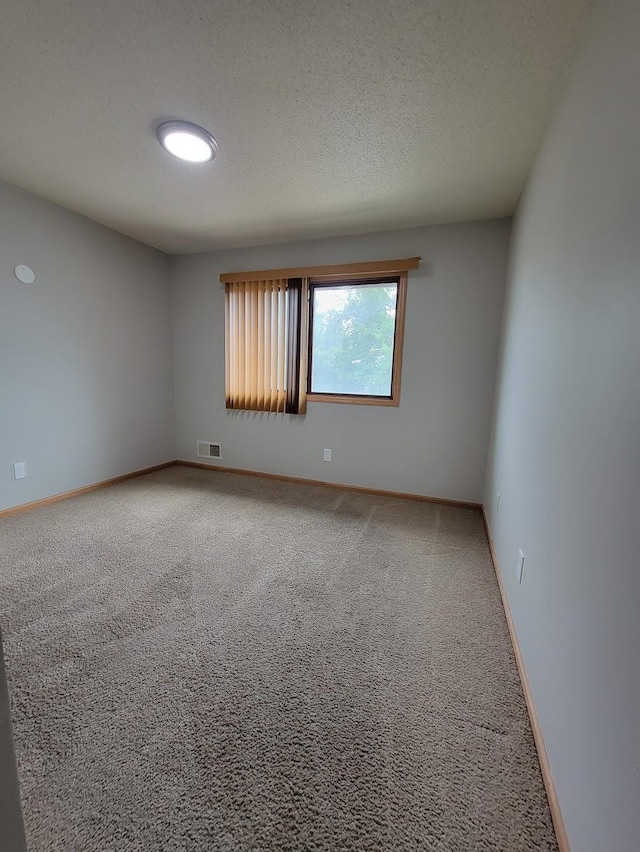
x,y
205,661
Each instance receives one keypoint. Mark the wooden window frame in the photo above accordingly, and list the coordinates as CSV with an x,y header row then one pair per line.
x,y
368,269
398,338
299,351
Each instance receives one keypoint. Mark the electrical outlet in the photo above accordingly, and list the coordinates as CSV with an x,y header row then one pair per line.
x,y
19,470
520,567
498,504
327,455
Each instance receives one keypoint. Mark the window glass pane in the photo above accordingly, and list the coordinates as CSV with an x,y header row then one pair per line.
x,y
353,337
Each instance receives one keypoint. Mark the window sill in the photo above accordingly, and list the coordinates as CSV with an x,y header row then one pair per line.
x,y
352,400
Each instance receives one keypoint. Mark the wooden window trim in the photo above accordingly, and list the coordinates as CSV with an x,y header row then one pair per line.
x,y
396,373
370,268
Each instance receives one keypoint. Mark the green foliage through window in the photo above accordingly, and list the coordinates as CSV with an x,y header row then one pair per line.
x,y
353,339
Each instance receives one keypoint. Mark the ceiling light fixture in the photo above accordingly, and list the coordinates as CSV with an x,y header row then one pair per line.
x,y
187,141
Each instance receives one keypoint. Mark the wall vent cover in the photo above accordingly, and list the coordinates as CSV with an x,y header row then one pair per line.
x,y
209,450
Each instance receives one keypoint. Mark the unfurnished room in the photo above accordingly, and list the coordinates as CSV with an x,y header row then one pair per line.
x,y
319,426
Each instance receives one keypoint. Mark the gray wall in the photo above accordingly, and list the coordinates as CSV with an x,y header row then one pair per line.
x,y
566,456
436,442
86,386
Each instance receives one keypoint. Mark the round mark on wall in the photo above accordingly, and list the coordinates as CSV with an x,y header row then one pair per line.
x,y
25,274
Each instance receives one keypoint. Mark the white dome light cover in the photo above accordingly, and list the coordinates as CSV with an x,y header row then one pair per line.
x,y
187,141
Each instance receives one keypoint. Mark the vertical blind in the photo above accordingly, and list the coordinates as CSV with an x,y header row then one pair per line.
x,y
262,345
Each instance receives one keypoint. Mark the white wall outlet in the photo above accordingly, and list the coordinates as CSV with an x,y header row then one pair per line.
x,y
19,470
498,504
520,568
327,455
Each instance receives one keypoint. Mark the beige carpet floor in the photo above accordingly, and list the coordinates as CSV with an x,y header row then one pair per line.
x,y
206,661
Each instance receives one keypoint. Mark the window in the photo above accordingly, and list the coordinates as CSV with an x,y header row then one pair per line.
x,y
355,339
327,334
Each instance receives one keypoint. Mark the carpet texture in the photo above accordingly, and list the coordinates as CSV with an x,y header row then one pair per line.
x,y
207,661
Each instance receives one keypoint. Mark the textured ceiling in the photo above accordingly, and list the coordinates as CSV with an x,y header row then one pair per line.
x,y
331,116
